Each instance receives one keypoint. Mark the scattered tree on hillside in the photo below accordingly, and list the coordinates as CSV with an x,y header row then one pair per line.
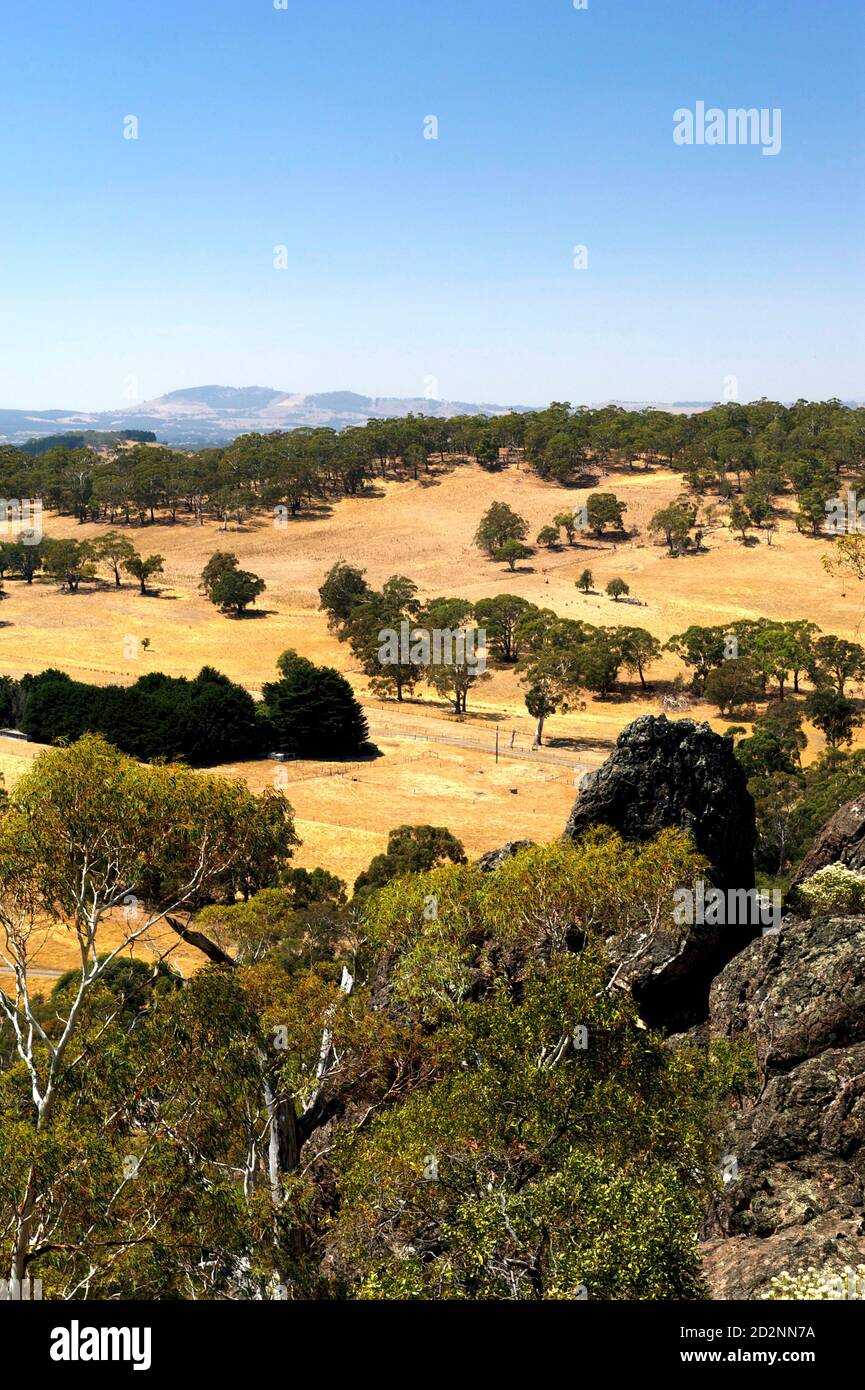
x,y
813,504
847,558
454,679
343,589
114,550
69,561
142,567
551,667
836,660
371,620
486,449
605,511
732,685
235,590
599,661
675,522
500,617
701,648
740,519
512,551
221,562
445,613
638,649
499,525
803,633
7,557
834,715
542,701
758,500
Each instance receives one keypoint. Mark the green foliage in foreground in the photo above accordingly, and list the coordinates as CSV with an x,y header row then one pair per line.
x,y
471,1110
534,1167
562,1150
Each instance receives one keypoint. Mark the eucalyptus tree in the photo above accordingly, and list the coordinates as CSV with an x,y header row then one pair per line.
x,y
110,850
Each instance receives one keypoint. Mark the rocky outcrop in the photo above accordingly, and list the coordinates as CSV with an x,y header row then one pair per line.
x,y
795,1155
675,773
795,994
666,773
841,841
494,858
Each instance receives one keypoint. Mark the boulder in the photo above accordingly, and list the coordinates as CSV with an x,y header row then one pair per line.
x,y
665,773
795,1152
840,841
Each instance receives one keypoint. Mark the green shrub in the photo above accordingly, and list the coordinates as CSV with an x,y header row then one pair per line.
x,y
835,889
556,1148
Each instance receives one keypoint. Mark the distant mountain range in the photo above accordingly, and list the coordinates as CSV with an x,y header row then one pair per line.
x,y
202,415
215,414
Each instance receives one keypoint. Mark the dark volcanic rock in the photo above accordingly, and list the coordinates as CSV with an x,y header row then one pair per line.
x,y
664,773
841,841
670,970
797,1196
494,858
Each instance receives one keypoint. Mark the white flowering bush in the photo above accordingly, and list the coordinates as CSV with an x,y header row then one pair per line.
x,y
808,1285
833,889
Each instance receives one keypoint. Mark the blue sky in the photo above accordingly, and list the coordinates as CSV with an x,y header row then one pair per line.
x,y
133,267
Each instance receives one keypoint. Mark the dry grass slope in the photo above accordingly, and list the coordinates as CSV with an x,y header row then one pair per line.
x,y
424,530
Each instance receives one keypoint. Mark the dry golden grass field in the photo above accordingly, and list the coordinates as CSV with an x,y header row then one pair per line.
x,y
424,530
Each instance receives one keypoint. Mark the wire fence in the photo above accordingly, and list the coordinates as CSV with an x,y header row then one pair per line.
x,y
503,748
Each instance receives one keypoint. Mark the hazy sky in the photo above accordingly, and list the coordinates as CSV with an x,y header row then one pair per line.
x,y
133,267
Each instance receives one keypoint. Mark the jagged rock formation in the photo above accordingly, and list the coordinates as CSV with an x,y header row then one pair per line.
x,y
798,1151
663,773
678,773
840,841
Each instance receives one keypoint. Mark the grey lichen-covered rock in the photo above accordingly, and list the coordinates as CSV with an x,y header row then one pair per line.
x,y
797,1152
795,994
840,841
675,773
